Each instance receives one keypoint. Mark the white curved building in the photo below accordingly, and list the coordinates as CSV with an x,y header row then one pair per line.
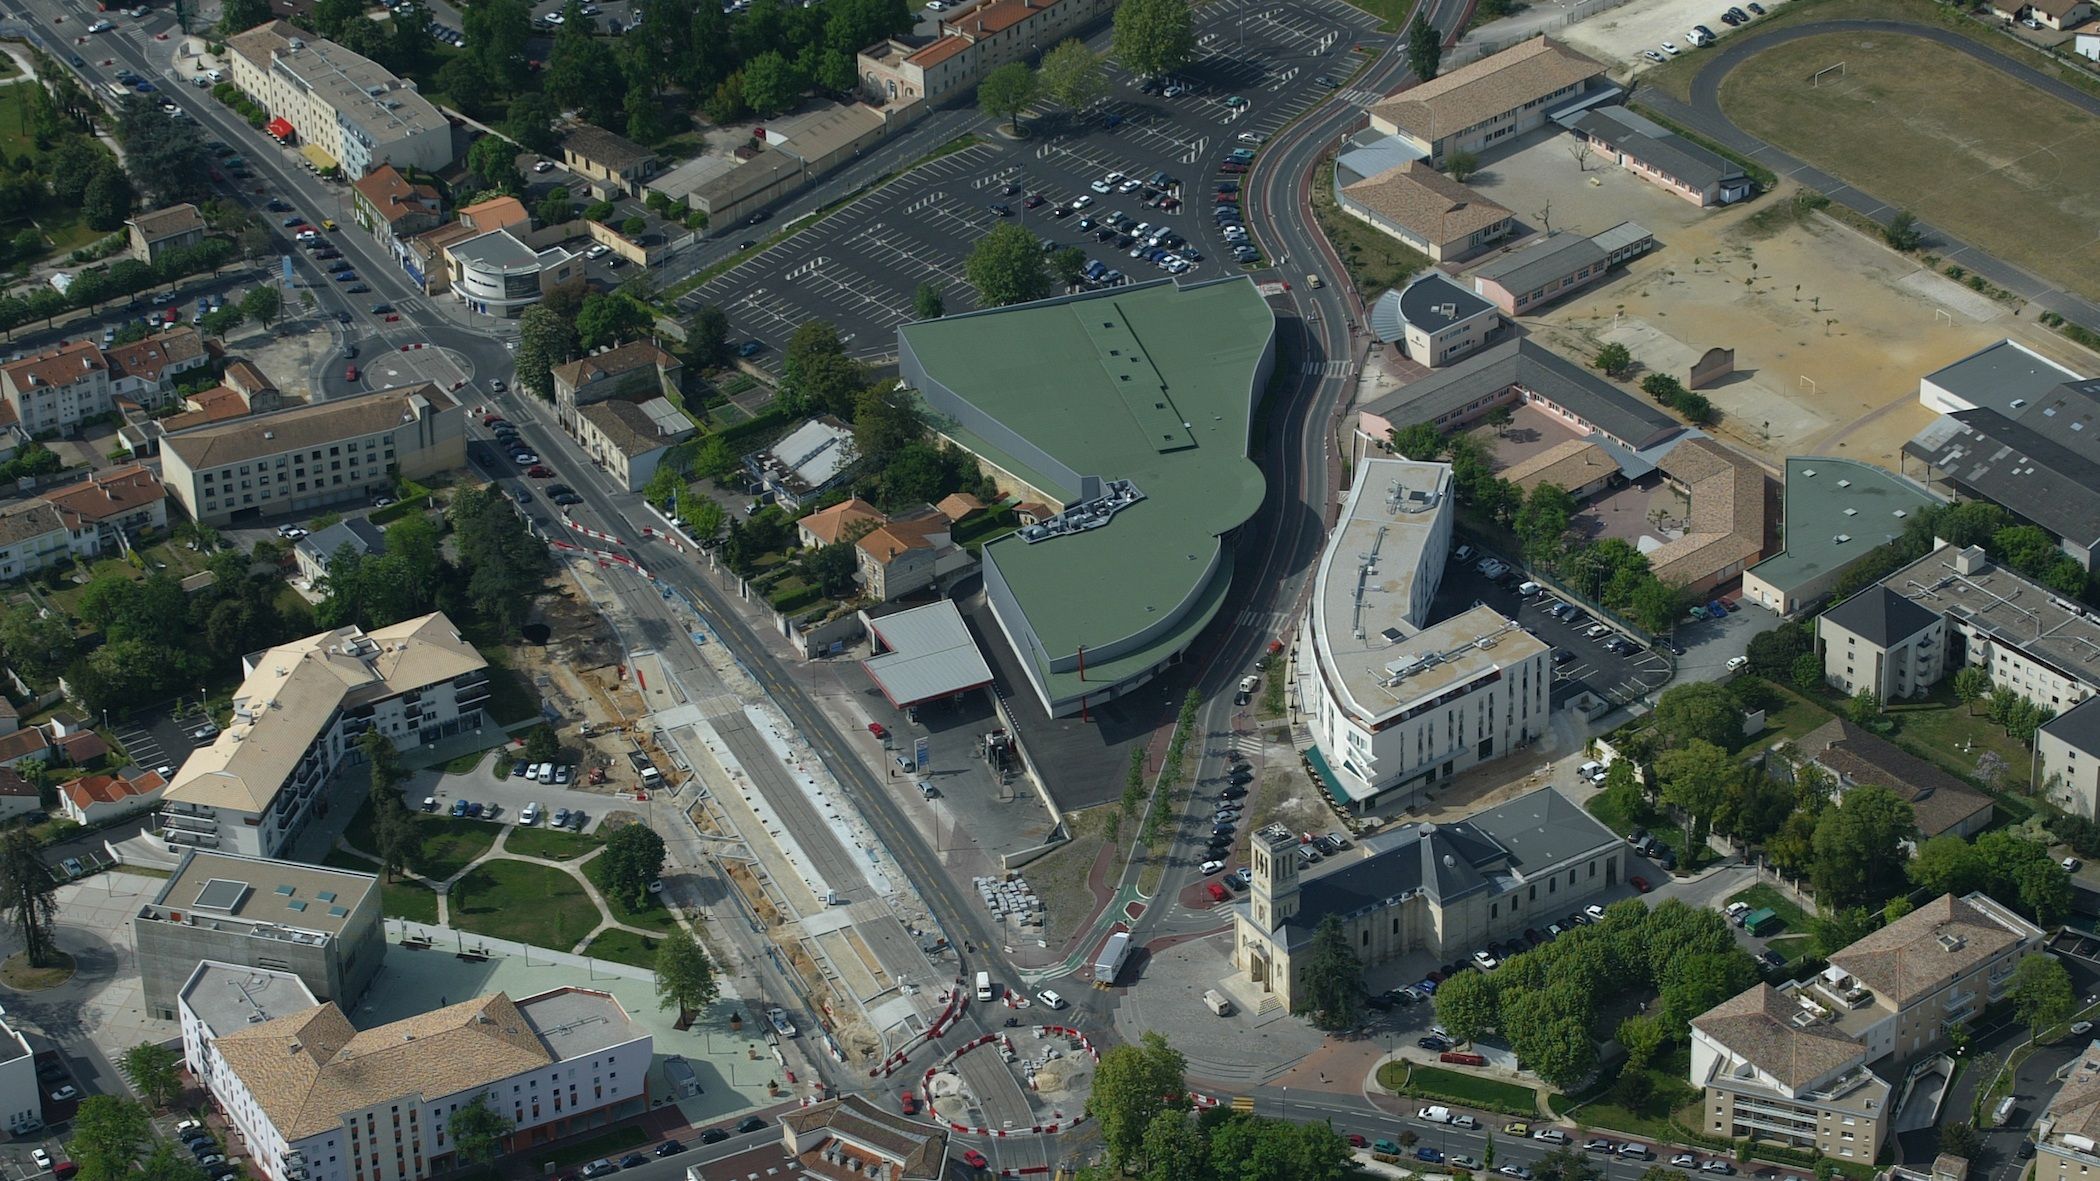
x,y
1398,705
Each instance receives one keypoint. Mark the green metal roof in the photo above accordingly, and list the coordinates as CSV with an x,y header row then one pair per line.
x,y
1819,492
1153,384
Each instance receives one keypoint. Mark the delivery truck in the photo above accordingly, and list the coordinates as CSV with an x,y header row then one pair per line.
x,y
1215,1001
1110,962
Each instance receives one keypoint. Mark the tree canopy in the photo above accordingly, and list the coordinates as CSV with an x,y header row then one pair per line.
x,y
1006,265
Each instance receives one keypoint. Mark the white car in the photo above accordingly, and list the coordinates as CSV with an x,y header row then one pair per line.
x,y
65,1094
204,733
598,251
1670,47
544,166
1595,912
781,1025
1685,1160
2071,864
1653,56
1736,662
531,814
100,27
1211,867
1050,999
1102,186
1488,963
1251,137
42,1159
1082,201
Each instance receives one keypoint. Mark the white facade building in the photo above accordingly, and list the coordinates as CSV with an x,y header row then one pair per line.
x,y
349,107
1397,704
315,1099
296,720
21,1099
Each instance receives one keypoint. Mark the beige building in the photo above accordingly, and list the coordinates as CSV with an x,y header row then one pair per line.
x,y
2067,1136
300,459
54,390
844,521
971,44
1428,211
1477,105
1809,1064
907,554
349,111
629,439
1435,320
1941,804
1730,515
1955,607
389,206
612,163
2067,759
153,234
636,370
1444,889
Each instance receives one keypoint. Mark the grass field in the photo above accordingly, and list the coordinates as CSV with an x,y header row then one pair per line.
x,y
652,917
534,904
1435,1082
624,947
549,843
448,844
1961,145
401,900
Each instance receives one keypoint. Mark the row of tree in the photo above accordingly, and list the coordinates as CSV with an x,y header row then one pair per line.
x,y
1140,1100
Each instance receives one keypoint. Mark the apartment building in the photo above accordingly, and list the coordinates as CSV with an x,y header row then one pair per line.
x,y
1443,889
1815,1063
297,717
322,925
54,390
316,1099
972,44
152,235
629,439
345,107
1955,607
2067,759
1399,705
306,457
2067,1135
637,370
90,519
21,1099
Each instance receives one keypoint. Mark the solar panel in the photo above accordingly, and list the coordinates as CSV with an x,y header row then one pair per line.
x,y
295,906
221,894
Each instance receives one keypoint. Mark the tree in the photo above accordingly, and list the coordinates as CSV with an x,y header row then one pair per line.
x,y
926,302
478,1129
30,894
164,1163
108,199
262,304
1174,1148
237,16
554,208
685,976
1614,359
1697,778
1960,1139
1072,75
1420,442
39,643
542,745
707,337
1131,1086
2041,994
1468,1010
771,83
833,568
1425,48
1006,92
1858,847
885,420
1260,1149
611,319
1006,265
1902,232
107,1135
1863,708
1692,984
1946,864
155,1070
1461,164
545,339
633,858
1807,673
1543,522
494,160
1642,1037
1154,37
1331,984
1701,710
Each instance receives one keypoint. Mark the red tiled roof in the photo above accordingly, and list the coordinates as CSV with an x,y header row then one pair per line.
x,y
939,51
60,366
147,358
22,742
109,494
84,747
12,784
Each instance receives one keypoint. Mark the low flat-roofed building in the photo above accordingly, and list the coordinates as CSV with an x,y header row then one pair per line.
x,y
630,438
1837,512
1542,271
297,717
497,274
807,462
924,654
1398,703
306,457
2038,459
307,1090
1520,372
2004,376
1435,320
1662,157
322,925
1442,889
1486,102
1427,211
613,163
1130,409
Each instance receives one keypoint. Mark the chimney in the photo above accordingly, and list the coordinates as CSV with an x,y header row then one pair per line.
x,y
1970,560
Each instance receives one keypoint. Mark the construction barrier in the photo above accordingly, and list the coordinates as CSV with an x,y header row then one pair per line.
x,y
957,997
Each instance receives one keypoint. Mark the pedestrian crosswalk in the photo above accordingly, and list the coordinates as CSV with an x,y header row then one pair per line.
x,y
1263,620
1337,368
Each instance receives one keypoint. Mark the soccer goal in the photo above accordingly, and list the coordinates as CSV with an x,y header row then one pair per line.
x,y
1832,72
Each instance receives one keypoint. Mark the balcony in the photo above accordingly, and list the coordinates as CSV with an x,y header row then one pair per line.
x,y
173,822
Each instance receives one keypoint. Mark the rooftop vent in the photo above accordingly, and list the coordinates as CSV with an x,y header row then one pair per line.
x,y
1842,538
1844,483
1949,941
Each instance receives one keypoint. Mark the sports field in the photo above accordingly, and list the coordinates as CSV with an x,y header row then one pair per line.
x,y
1932,130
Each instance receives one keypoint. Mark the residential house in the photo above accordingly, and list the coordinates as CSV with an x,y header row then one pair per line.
x,y
2045,14
145,370
306,457
629,438
18,796
613,163
1942,804
1814,1064
1488,101
110,507
27,745
1427,211
54,390
317,550
1431,890
908,554
552,1066
844,521
94,799
153,235
636,370
391,207
33,537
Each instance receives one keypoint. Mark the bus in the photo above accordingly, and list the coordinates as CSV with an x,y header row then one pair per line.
x,y
117,90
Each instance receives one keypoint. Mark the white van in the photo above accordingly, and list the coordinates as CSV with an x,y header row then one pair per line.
x,y
984,986
546,773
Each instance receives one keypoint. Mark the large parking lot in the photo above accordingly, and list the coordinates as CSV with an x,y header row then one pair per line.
x,y
1589,665
1262,64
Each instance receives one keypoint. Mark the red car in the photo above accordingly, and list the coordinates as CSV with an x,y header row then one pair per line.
x,y
540,471
1228,198
1357,1141
876,728
910,1102
491,419
975,1159
350,373
1639,883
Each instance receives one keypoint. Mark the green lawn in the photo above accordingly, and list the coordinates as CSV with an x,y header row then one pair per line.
x,y
624,947
448,844
462,764
1943,731
550,844
534,904
1435,1082
987,526
1762,897
1375,260
401,900
1797,717
652,917
1668,1094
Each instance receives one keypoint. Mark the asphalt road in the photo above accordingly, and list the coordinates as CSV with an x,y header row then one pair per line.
x,y
1704,115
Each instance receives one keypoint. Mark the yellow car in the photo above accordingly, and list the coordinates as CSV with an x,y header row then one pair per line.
x,y
1516,1128
327,223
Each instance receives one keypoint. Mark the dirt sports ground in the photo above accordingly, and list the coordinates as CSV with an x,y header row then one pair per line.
x,y
1964,146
